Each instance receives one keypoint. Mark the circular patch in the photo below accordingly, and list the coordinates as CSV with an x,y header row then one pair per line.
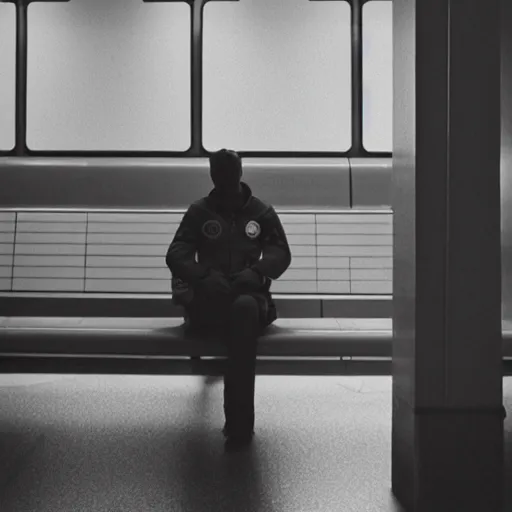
x,y
212,229
252,229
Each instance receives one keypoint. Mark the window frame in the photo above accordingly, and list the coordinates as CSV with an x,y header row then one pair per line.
x,y
196,148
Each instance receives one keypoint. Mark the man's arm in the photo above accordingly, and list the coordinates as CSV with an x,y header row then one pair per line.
x,y
276,255
181,255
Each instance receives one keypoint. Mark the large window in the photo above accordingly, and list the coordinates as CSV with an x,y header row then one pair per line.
x,y
122,75
7,75
108,75
378,76
277,75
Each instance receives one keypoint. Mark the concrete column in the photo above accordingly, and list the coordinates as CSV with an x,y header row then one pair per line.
x,y
447,435
506,159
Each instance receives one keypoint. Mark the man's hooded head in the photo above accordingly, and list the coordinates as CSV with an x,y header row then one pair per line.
x,y
226,172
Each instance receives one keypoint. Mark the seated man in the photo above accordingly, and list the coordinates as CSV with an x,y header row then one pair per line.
x,y
241,246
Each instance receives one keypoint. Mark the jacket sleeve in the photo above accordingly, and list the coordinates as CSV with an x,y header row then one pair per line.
x,y
276,255
181,255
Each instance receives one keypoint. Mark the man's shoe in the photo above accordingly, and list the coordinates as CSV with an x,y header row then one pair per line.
x,y
235,443
226,432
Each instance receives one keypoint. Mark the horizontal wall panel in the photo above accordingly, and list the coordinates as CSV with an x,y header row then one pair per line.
x,y
333,262
354,240
109,183
135,218
369,274
372,182
51,249
374,250
301,239
126,261
299,308
333,286
299,184
5,284
303,250
293,287
378,287
128,273
335,274
296,218
7,227
5,272
294,229
171,228
354,229
51,217
50,238
49,261
302,262
299,275
6,259
161,249
51,227
7,217
371,262
6,238
128,227
336,218
128,285
9,248
127,238
128,250
49,285
165,186
61,272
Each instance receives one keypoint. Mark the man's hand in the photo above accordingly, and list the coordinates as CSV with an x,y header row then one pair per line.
x,y
215,283
247,280
182,292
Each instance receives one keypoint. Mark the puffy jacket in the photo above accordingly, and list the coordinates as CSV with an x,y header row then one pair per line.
x,y
251,236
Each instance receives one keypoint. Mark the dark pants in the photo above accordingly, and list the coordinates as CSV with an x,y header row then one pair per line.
x,y
238,322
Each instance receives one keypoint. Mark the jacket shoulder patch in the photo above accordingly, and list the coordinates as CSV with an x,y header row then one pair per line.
x,y
212,229
252,229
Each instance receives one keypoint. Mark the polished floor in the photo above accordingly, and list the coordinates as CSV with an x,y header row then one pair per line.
x,y
154,444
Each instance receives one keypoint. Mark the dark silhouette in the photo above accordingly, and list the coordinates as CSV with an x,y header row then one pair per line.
x,y
241,246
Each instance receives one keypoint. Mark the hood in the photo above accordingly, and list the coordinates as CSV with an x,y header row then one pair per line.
x,y
216,202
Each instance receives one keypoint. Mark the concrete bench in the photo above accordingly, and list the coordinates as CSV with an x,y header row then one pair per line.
x,y
293,337
143,338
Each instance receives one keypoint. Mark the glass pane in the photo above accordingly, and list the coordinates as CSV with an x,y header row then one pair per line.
x,y
7,75
277,75
108,75
378,76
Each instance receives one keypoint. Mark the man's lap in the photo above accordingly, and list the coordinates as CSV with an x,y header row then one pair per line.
x,y
210,317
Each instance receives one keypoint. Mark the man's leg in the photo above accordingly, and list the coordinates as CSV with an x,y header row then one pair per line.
x,y
239,379
207,313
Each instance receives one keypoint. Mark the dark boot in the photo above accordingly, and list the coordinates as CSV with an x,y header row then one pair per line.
x,y
226,431
235,443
